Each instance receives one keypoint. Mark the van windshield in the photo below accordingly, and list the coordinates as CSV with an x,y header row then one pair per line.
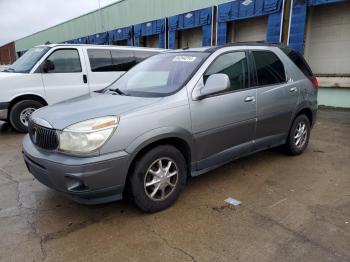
x,y
26,62
160,75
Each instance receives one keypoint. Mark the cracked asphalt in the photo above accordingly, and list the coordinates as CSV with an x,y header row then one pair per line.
x,y
293,209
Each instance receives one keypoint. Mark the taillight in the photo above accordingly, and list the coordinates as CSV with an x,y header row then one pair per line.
x,y
314,82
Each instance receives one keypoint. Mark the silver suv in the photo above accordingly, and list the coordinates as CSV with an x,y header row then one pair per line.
x,y
175,115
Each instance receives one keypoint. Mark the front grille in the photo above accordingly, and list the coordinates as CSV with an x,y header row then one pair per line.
x,y
43,137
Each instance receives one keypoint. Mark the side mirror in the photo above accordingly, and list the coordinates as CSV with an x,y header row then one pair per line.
x,y
48,66
216,83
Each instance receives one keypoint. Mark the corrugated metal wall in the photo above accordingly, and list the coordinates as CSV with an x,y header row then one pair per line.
x,y
124,13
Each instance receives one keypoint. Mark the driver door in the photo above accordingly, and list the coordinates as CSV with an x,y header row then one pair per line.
x,y
65,77
224,124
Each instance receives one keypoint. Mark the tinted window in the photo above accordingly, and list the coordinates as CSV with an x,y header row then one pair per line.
x,y
100,60
235,66
104,60
299,61
65,61
123,60
269,68
142,55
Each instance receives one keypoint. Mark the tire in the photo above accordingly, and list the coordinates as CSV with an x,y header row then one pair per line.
x,y
18,109
146,170
302,122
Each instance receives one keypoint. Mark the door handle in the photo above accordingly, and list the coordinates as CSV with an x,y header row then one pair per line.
x,y
85,79
293,89
249,99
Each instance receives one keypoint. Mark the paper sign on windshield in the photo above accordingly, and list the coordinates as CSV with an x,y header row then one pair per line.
x,y
188,59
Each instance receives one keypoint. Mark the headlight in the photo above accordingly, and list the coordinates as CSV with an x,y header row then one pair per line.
x,y
87,136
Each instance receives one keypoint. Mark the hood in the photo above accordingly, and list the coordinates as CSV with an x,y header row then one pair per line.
x,y
90,106
7,75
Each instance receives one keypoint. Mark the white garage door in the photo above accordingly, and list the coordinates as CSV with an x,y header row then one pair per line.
x,y
253,29
190,38
327,46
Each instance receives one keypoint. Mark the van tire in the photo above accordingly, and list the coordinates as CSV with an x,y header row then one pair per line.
x,y
18,109
301,122
141,193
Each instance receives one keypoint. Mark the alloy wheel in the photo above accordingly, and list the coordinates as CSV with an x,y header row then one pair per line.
x,y
161,179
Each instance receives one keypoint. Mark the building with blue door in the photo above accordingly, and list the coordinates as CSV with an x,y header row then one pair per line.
x,y
250,20
151,34
121,36
320,29
191,29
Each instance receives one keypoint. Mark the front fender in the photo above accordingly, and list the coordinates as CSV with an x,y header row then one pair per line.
x,y
158,134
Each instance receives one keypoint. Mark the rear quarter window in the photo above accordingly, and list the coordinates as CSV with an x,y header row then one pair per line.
x,y
299,61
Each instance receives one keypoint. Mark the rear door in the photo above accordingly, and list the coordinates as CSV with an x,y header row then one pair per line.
x,y
67,79
224,124
277,98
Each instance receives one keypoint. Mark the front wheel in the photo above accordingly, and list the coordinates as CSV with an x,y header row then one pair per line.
x,y
299,135
21,112
158,178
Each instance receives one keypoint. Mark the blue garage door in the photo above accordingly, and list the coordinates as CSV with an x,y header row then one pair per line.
x,y
99,39
197,19
120,36
244,9
151,34
296,37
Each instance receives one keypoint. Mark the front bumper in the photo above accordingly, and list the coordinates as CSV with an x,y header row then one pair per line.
x,y
3,110
87,180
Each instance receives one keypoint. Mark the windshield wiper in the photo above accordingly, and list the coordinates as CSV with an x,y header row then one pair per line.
x,y
118,91
9,70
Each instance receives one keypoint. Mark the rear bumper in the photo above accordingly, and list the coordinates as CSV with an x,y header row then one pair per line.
x,y
88,180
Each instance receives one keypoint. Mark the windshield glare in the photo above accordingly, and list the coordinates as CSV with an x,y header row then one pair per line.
x,y
26,62
160,75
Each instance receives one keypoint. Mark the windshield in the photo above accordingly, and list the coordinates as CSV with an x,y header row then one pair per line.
x,y
160,75
26,62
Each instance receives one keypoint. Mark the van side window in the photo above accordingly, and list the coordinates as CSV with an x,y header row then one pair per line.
x,y
123,60
100,60
65,61
269,68
142,55
235,66
109,60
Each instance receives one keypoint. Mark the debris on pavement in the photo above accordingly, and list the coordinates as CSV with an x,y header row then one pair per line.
x,y
233,201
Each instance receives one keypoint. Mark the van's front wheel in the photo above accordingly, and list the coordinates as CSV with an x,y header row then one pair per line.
x,y
158,178
21,112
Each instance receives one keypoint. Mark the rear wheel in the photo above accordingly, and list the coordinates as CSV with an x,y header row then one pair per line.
x,y
299,135
21,113
158,178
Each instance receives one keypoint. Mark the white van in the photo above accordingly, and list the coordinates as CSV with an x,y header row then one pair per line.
x,y
49,74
